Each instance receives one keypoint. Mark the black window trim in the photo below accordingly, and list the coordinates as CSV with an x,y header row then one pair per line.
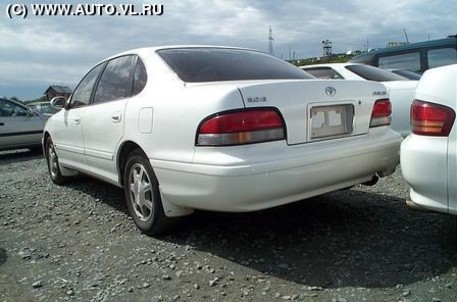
x,y
138,59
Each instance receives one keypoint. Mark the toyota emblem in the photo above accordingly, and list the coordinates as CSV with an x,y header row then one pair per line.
x,y
330,91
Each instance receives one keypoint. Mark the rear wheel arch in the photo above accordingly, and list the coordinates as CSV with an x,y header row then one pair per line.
x,y
125,150
142,192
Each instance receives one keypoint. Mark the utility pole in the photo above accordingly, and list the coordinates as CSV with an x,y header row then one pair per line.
x,y
406,35
270,42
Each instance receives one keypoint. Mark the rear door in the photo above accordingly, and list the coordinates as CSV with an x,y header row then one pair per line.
x,y
104,121
317,110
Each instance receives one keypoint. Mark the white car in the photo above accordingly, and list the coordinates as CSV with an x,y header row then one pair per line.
x,y
401,90
224,129
429,154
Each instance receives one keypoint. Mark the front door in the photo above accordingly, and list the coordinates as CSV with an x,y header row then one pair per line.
x,y
19,127
68,137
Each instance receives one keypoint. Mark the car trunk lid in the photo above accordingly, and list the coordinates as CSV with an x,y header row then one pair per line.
x,y
316,110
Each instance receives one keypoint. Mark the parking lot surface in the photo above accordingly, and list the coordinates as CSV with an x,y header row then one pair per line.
x,y
77,243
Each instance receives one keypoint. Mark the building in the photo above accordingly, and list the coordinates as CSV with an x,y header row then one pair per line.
x,y
395,44
55,90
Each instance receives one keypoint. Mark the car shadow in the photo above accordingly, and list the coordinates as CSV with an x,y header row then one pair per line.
x,y
346,238
22,155
101,191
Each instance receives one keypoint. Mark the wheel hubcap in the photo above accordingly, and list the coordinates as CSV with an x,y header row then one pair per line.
x,y
141,195
52,159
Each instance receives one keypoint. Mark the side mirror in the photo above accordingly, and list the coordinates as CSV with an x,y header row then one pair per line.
x,y
32,112
58,102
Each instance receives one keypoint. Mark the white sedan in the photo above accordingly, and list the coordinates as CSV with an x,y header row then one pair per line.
x,y
429,154
224,129
401,90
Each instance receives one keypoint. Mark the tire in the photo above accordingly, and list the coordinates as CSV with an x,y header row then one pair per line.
x,y
53,164
142,195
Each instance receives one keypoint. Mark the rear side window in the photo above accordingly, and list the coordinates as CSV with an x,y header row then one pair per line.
x,y
441,57
116,81
409,61
223,64
324,73
372,73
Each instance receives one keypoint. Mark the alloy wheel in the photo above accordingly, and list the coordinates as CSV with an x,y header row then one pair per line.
x,y
140,190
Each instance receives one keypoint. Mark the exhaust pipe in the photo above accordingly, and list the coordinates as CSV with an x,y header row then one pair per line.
x,y
372,181
414,206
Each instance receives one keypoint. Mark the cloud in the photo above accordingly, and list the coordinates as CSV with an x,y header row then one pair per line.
x,y
39,51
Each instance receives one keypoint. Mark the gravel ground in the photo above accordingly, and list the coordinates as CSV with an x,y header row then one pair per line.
x,y
77,243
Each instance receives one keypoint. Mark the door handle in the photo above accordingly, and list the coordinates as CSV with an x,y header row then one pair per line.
x,y
2,124
116,117
77,120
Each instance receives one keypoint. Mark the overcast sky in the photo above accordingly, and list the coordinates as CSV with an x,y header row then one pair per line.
x,y
38,51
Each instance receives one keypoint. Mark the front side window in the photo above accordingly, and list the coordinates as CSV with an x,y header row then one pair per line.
x,y
225,64
409,61
441,57
82,94
9,109
116,81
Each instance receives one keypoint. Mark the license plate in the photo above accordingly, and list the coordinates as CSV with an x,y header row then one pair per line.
x,y
331,121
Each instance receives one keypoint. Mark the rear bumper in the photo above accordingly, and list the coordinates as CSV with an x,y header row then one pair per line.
x,y
249,178
424,167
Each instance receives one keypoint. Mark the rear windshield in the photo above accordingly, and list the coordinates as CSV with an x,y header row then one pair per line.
x,y
376,74
222,64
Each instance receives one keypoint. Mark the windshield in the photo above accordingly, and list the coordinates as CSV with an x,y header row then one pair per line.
x,y
224,64
372,73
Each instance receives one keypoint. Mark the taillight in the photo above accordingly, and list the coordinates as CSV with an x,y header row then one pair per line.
x,y
241,127
381,113
431,119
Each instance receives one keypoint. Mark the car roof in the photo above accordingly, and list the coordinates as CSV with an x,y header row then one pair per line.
x,y
329,65
13,101
156,48
450,41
